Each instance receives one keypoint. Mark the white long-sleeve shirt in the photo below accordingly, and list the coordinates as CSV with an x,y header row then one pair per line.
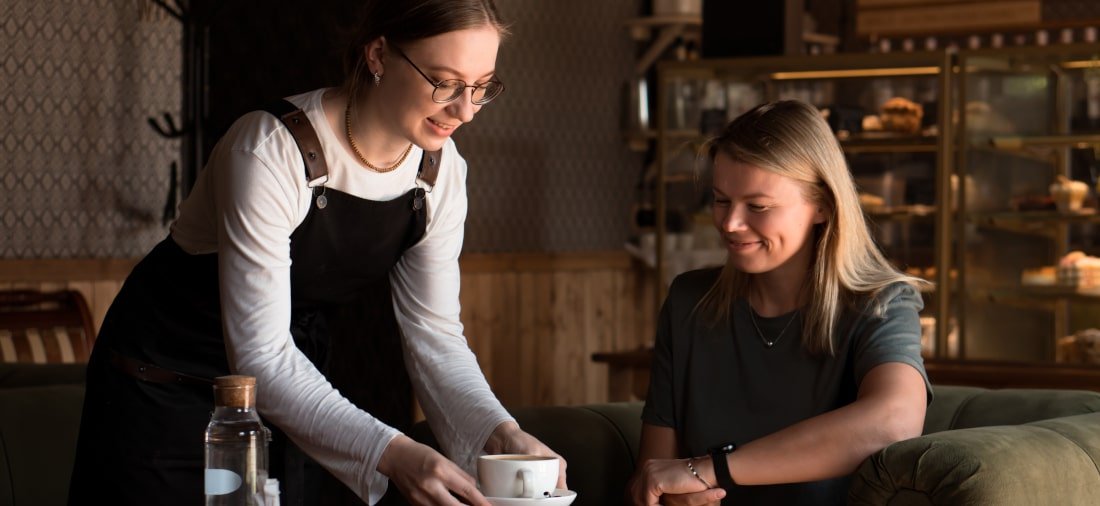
x,y
244,206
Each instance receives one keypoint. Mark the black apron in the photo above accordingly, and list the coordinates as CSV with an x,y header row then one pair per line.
x,y
149,395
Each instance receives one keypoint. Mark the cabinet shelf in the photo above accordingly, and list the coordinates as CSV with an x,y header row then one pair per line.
x,y
1031,222
901,213
1086,215
1010,153
669,28
640,27
1037,293
680,177
878,142
890,144
1019,142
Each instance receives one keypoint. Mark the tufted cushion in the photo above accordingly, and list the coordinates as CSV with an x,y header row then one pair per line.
x,y
1046,462
957,407
975,451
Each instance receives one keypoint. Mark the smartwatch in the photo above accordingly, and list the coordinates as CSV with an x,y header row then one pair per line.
x,y
722,466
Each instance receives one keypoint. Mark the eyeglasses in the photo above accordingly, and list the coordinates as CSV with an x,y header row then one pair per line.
x,y
448,90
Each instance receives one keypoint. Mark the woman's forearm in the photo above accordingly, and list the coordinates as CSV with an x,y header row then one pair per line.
x,y
890,408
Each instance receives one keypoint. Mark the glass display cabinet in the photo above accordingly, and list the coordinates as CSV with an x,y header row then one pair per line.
x,y
977,170
888,113
1027,233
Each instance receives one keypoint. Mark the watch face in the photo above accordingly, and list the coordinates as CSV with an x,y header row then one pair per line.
x,y
723,448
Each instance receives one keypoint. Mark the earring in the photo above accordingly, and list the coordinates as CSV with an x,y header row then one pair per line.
x,y
377,78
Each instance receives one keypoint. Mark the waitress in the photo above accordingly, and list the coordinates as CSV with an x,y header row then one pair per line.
x,y
297,247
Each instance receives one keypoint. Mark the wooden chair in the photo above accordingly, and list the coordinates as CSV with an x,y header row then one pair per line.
x,y
45,327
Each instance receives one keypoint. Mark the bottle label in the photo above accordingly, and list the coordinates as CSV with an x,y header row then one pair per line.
x,y
221,481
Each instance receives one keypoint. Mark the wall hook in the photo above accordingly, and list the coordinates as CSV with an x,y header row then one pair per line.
x,y
170,131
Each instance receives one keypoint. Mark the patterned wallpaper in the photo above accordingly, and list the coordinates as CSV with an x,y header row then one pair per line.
x,y
81,174
84,176
549,170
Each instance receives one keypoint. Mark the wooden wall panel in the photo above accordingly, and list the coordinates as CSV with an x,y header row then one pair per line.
x,y
533,320
549,320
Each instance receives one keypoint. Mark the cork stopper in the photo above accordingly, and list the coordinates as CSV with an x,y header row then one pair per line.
x,y
235,391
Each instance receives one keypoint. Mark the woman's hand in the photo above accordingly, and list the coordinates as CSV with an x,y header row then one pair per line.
x,y
424,476
509,438
669,481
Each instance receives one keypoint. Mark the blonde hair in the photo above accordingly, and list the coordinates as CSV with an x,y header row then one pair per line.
x,y
791,139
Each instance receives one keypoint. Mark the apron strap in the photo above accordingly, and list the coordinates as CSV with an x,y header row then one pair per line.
x,y
305,136
316,170
429,167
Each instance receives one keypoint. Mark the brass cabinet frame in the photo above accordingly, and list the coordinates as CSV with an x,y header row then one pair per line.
x,y
769,70
1057,141
951,147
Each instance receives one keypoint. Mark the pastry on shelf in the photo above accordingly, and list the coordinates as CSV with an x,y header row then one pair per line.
x,y
1078,270
981,118
871,123
1033,203
928,273
871,202
920,209
1040,276
1083,347
901,115
1071,258
1068,195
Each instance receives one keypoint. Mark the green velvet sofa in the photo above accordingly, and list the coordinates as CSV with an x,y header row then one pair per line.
x,y
980,446
39,416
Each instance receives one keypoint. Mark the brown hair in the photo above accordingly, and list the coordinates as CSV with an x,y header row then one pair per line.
x,y
405,21
791,139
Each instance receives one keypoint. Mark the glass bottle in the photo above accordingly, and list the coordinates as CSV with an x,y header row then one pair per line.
x,y
1066,36
1042,38
235,470
996,41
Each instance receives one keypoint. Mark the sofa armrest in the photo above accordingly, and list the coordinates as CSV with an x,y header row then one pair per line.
x,y
958,407
1046,462
17,375
38,430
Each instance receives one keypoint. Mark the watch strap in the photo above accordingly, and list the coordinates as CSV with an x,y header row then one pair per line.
x,y
722,466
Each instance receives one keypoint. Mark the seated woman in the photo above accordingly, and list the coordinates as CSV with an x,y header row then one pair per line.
x,y
777,374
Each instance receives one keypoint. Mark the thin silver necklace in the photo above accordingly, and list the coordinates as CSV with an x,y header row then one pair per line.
x,y
767,343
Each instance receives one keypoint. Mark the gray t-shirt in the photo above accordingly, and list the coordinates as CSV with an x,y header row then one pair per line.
x,y
722,384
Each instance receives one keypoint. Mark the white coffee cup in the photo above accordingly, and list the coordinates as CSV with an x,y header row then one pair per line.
x,y
529,476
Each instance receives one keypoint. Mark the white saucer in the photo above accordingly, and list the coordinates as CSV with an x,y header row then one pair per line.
x,y
561,497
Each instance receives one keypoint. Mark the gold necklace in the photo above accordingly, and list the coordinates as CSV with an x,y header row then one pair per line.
x,y
355,147
767,343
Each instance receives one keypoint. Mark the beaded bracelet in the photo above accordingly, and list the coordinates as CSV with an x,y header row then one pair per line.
x,y
696,473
